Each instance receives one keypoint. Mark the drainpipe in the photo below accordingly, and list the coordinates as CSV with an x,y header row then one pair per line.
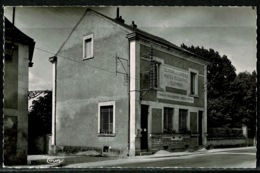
x,y
128,91
53,60
205,114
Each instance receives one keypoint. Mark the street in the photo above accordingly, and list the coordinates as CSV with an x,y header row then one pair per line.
x,y
216,158
227,159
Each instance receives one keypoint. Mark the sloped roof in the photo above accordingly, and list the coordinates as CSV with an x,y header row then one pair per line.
x,y
14,34
149,36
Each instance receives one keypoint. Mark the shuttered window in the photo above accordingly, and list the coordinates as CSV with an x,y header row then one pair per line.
x,y
168,120
183,114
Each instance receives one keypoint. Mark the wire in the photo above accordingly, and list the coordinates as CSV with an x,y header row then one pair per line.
x,y
76,61
72,31
85,64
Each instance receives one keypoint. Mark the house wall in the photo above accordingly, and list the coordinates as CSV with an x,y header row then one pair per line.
x,y
82,84
16,106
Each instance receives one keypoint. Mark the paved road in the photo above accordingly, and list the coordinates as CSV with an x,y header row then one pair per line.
x,y
224,159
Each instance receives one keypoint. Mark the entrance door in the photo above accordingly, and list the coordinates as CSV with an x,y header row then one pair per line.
x,y
200,126
144,127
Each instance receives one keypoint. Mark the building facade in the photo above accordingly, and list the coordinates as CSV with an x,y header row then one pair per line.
x,y
18,56
119,89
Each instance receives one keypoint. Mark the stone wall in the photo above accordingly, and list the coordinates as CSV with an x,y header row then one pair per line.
x,y
172,142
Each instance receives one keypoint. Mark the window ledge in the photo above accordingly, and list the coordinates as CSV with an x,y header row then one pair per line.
x,y
194,95
86,58
106,135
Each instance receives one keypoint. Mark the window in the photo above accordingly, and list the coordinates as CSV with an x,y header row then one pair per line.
x,y
88,47
155,75
193,82
168,120
106,117
183,114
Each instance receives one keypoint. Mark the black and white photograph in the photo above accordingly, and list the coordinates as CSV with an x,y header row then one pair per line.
x,y
129,87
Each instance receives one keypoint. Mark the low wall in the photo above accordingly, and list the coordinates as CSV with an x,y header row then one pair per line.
x,y
172,142
72,150
38,145
226,142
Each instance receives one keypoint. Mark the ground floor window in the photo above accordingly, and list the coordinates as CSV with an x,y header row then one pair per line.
x,y
183,114
107,118
168,120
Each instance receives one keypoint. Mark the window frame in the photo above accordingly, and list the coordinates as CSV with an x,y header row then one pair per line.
x,y
156,70
196,82
110,103
85,38
158,67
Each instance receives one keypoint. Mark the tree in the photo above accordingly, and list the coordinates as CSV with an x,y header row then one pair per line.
x,y
244,94
220,75
40,115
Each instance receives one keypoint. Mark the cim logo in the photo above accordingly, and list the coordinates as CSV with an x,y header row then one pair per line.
x,y
55,160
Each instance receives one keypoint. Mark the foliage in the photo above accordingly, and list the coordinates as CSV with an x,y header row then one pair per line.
x,y
40,115
244,95
231,97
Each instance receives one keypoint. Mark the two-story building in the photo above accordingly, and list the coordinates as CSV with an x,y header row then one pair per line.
x,y
119,89
18,56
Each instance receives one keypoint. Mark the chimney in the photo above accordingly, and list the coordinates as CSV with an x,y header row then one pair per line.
x,y
119,18
117,13
13,14
134,25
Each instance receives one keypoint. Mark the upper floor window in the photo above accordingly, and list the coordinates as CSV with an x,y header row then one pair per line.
x,y
193,82
88,47
106,117
168,120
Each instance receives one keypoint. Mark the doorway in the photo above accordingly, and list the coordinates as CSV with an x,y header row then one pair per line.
x,y
144,127
200,126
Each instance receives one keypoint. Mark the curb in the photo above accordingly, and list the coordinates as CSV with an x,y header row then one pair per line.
x,y
61,161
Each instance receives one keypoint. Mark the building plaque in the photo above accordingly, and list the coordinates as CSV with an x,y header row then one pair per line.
x,y
174,97
175,78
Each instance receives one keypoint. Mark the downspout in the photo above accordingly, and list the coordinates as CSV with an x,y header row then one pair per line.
x,y
128,92
53,60
204,132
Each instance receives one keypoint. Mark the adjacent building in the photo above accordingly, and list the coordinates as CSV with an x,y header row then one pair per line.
x,y
19,50
119,89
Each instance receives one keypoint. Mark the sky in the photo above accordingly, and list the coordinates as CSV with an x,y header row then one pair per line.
x,y
229,30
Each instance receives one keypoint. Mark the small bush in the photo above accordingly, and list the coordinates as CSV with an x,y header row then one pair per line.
x,y
225,132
